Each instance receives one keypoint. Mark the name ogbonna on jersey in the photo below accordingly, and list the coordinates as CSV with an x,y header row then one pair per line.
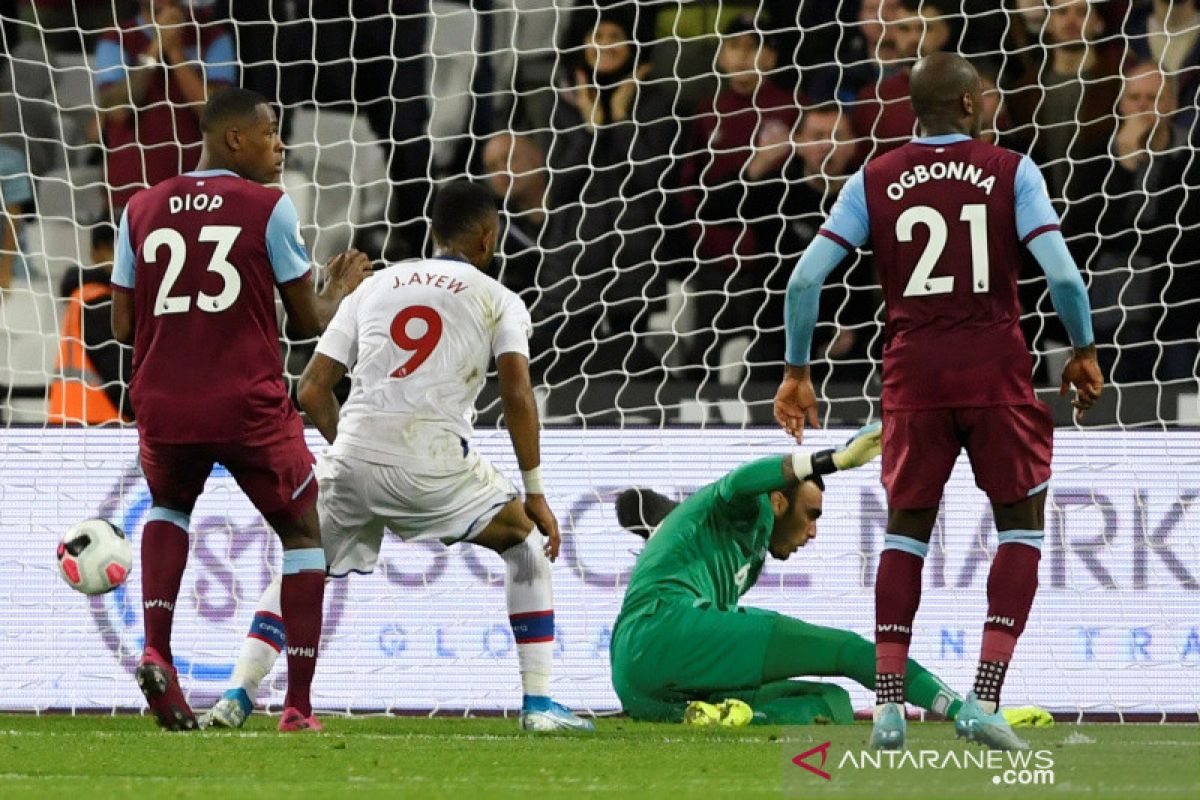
x,y
940,171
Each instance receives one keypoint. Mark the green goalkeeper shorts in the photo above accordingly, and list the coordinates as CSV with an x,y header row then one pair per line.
x,y
672,653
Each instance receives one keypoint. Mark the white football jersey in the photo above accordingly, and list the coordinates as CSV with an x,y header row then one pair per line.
x,y
417,338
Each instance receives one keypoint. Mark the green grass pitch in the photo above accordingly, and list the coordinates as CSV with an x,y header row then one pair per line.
x,y
126,756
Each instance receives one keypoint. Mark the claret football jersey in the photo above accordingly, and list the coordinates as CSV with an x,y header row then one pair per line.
x,y
946,217
202,254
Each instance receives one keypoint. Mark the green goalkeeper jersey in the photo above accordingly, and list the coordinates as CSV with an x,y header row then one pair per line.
x,y
710,549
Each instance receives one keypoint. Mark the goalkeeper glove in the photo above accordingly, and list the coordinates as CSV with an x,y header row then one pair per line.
x,y
860,448
1028,717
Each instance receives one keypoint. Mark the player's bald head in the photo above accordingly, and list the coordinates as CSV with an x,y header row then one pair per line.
x,y
938,86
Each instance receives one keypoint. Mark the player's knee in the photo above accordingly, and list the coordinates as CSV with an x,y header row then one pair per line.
x,y
296,532
841,708
509,528
916,524
1029,513
526,560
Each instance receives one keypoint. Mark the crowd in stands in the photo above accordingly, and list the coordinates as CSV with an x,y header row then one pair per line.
x,y
659,165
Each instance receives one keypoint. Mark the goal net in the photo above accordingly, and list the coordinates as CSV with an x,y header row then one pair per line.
x,y
660,168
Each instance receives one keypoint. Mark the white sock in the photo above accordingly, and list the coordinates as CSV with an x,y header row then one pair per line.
x,y
262,644
987,706
530,596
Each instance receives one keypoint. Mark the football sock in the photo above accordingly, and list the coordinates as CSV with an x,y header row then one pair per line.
x,y
529,593
263,643
897,595
1012,584
924,689
300,599
988,680
165,546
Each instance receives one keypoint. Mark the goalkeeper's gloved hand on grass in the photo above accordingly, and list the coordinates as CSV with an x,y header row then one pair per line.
x,y
860,448
1028,717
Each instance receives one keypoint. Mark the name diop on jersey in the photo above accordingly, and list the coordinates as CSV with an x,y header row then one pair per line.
x,y
940,171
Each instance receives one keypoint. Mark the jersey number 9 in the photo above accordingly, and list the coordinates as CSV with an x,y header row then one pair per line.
x,y
421,346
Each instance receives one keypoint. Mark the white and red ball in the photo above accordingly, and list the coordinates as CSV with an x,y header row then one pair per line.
x,y
94,557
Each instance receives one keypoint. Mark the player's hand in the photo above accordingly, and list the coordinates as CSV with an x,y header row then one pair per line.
x,y
347,270
584,99
169,22
1083,372
860,448
538,510
796,402
770,149
623,95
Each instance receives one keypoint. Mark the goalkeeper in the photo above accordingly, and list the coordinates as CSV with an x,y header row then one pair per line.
x,y
682,648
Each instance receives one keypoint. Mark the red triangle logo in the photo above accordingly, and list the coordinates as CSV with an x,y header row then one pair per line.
x,y
823,749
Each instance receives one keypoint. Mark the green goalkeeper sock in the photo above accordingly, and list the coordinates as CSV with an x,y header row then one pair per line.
x,y
924,689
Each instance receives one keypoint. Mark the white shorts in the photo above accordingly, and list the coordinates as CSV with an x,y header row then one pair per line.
x,y
440,493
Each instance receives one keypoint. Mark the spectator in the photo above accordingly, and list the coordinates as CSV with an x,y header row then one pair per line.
x,y
742,133
1062,106
610,161
27,147
380,75
153,75
92,368
15,192
790,211
529,264
67,26
1069,101
1144,213
883,115
863,55
739,136
995,115
482,56
1167,33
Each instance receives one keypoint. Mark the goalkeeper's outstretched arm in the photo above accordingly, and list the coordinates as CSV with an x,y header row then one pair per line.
x,y
641,510
779,472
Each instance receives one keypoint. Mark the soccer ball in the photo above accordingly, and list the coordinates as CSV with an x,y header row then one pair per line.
x,y
94,557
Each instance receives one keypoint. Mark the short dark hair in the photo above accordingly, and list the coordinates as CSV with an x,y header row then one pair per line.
x,y
458,206
227,104
944,8
822,107
792,493
104,233
749,23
